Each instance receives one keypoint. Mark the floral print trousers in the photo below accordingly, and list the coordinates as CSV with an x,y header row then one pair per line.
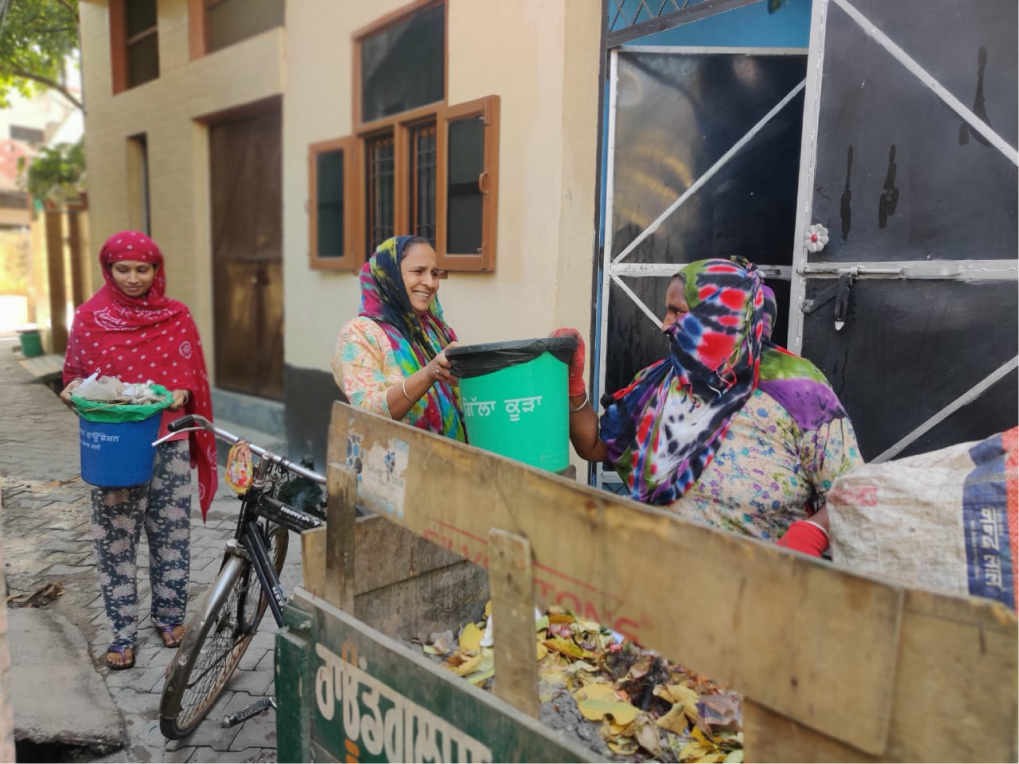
x,y
163,506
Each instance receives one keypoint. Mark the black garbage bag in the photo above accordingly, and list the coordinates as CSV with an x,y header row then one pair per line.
x,y
476,360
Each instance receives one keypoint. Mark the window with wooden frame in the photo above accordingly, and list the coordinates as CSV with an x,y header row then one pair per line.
x,y
217,24
134,42
427,168
468,184
333,205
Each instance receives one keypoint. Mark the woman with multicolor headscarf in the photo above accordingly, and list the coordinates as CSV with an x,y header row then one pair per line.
x,y
391,359
730,429
131,330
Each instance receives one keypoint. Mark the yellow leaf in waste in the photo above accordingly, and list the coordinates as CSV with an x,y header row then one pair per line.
x,y
693,751
596,710
662,691
586,625
488,608
682,694
675,720
542,651
479,678
597,691
552,674
469,665
541,624
596,701
700,737
611,729
623,746
567,647
432,650
711,758
735,757
470,638
576,666
560,617
647,735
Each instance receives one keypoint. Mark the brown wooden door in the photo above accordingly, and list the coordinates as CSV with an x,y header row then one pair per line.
x,y
247,247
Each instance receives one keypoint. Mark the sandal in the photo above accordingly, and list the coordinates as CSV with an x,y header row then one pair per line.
x,y
168,631
128,662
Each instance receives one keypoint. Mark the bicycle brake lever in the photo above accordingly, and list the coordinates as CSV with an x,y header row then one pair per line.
x,y
169,435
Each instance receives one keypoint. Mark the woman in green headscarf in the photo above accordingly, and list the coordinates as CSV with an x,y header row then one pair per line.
x,y
391,359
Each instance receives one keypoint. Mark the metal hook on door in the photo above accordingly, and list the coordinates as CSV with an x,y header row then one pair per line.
x,y
841,292
843,298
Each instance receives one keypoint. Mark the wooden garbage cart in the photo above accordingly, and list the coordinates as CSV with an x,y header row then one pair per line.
x,y
832,666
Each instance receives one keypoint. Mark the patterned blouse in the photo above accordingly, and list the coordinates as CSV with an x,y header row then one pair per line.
x,y
365,366
768,472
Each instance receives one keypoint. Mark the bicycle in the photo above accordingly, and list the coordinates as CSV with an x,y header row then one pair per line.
x,y
218,633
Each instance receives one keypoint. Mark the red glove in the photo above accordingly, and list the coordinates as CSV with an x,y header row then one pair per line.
x,y
806,537
577,386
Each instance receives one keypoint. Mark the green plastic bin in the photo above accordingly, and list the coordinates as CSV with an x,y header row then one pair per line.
x,y
515,398
31,343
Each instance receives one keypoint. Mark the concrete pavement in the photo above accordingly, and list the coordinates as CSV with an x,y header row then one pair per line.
x,y
46,539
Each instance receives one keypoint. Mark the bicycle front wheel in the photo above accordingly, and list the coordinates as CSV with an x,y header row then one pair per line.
x,y
215,640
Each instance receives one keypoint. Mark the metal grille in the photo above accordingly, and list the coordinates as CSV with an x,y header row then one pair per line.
x,y
379,158
626,13
627,20
422,181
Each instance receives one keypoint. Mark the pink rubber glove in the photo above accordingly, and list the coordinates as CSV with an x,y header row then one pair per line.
x,y
577,386
805,537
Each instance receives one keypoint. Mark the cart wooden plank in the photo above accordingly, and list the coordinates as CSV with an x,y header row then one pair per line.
x,y
511,580
814,644
403,585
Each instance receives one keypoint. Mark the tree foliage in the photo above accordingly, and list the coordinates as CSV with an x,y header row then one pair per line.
x,y
36,38
56,173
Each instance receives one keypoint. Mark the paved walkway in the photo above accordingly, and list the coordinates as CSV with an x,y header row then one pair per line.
x,y
46,539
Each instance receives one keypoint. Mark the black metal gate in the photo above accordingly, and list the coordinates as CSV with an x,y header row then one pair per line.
x,y
901,125
909,161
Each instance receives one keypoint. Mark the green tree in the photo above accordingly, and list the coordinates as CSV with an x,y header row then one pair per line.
x,y
36,38
56,173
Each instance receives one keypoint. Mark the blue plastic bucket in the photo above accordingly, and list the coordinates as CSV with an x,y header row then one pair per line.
x,y
117,455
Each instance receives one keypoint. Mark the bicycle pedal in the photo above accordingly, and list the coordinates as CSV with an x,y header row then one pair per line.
x,y
253,710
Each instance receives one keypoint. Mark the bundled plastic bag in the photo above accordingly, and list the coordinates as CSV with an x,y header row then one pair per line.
x,y
467,361
944,521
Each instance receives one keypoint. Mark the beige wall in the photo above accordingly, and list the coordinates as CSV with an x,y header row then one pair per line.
x,y
541,58
166,109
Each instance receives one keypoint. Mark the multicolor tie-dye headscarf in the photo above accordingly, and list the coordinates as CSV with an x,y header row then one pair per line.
x,y
659,436
665,427
415,341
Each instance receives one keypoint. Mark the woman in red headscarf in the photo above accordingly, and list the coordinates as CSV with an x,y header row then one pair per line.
x,y
131,330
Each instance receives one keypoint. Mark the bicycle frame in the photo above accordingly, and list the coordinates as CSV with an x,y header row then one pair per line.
x,y
256,503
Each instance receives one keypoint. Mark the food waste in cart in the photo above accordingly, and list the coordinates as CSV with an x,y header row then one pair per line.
x,y
611,695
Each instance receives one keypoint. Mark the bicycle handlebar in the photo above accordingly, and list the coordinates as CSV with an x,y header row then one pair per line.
x,y
195,423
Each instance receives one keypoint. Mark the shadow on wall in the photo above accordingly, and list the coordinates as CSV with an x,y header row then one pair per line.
x,y
308,402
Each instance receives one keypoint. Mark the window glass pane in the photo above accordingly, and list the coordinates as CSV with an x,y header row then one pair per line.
x,y
403,66
143,61
139,15
231,21
138,179
422,181
329,199
27,134
464,202
379,161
